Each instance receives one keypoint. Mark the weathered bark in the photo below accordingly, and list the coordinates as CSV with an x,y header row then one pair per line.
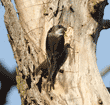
x,y
80,82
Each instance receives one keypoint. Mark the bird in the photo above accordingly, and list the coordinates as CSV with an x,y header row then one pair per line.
x,y
54,48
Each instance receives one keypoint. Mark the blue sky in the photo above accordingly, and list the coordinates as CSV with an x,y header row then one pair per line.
x,y
8,61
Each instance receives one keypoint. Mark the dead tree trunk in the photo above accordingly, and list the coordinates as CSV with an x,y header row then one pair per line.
x,y
80,82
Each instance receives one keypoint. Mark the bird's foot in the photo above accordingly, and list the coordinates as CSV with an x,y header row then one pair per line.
x,y
49,86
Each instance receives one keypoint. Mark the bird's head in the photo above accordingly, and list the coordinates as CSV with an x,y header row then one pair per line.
x,y
59,30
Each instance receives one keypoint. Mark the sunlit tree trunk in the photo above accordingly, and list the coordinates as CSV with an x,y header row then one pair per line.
x,y
80,82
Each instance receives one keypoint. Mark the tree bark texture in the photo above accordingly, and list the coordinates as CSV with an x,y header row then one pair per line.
x,y
78,81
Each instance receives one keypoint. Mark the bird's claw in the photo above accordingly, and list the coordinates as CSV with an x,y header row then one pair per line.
x,y
49,86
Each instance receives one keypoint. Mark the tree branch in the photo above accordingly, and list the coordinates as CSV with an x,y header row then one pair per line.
x,y
7,81
105,70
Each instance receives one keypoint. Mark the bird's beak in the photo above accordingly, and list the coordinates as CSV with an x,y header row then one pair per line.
x,y
70,47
